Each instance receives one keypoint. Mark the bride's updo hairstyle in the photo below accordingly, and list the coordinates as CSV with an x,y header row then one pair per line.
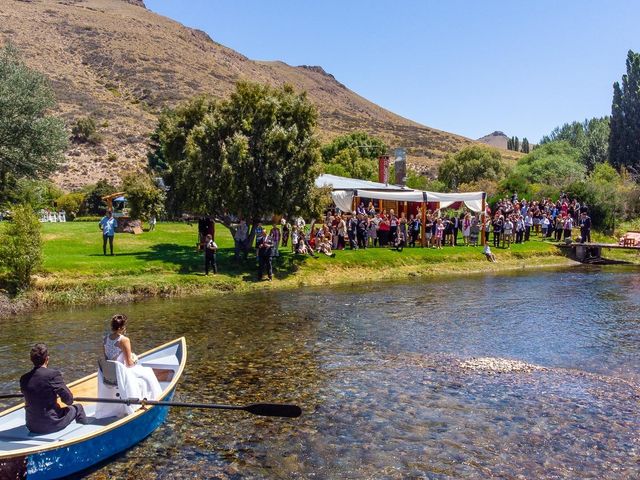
x,y
118,322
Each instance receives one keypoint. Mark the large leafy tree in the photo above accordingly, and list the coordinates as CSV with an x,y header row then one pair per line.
x,y
590,138
251,155
32,142
624,142
353,155
471,165
555,164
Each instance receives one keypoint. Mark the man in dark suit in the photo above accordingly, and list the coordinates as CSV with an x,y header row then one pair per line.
x,y
41,388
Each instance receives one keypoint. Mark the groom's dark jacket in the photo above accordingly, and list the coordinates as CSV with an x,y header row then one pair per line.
x,y
41,388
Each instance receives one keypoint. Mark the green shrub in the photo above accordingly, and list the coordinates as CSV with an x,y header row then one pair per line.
x,y
87,219
93,203
21,247
85,130
71,204
144,198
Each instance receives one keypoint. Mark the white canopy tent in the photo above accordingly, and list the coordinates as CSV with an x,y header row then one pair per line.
x,y
344,190
473,200
344,183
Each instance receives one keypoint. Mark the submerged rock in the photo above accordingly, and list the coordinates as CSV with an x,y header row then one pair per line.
x,y
499,365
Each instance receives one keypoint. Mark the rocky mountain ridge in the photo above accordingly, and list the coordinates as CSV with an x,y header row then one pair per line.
x,y
118,62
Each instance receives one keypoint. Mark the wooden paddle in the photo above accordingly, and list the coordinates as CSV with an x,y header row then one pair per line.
x,y
264,409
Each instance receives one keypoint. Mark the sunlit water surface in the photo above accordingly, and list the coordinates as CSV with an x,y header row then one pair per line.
x,y
375,369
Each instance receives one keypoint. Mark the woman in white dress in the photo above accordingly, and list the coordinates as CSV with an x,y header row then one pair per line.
x,y
117,347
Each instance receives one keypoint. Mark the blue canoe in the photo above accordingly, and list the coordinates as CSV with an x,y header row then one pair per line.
x,y
78,447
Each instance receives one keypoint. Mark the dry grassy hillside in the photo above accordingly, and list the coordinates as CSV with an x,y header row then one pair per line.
x,y
121,63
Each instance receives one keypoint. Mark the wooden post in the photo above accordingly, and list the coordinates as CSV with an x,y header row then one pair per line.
x,y
483,217
424,226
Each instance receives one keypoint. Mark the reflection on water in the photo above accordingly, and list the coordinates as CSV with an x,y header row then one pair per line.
x,y
375,370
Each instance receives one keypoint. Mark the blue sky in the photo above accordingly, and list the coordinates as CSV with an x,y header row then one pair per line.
x,y
467,67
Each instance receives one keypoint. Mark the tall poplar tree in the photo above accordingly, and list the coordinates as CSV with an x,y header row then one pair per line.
x,y
624,140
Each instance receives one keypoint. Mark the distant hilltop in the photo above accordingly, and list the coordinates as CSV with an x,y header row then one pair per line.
x,y
137,3
496,139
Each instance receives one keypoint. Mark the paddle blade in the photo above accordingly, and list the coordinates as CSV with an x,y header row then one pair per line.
x,y
274,410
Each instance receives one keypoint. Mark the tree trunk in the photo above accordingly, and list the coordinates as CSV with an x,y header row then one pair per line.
x,y
4,180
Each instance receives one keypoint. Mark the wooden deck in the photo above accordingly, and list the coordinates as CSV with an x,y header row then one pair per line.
x,y
599,245
592,252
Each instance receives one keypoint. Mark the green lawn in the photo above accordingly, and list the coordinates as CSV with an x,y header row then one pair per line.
x,y
76,249
166,262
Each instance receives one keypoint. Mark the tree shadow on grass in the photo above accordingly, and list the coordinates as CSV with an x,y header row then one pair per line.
x,y
189,261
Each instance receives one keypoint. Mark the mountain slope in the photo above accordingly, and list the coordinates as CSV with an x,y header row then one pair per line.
x,y
121,63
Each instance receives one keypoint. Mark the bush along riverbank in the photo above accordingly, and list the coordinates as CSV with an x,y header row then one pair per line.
x,y
165,263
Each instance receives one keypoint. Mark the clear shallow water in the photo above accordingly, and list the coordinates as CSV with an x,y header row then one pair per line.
x,y
375,369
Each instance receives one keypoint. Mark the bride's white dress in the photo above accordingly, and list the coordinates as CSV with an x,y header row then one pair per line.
x,y
133,382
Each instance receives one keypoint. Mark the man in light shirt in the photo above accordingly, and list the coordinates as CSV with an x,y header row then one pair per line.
x,y
108,225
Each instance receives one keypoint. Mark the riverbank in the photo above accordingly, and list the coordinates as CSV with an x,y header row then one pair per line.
x,y
165,263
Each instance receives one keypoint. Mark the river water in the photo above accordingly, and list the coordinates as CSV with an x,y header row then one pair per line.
x,y
377,371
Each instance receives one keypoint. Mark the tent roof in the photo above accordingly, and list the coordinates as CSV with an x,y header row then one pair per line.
x,y
363,188
344,183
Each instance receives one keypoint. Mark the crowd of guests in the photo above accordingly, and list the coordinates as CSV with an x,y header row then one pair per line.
x,y
514,221
511,221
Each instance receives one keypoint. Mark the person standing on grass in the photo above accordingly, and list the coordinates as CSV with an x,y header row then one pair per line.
x,y
286,229
497,229
428,230
439,226
393,227
210,251
342,232
545,223
372,233
362,230
352,227
275,240
568,225
585,228
240,240
474,231
528,223
152,223
507,229
108,225
559,224
519,227
455,221
414,227
265,259
466,229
